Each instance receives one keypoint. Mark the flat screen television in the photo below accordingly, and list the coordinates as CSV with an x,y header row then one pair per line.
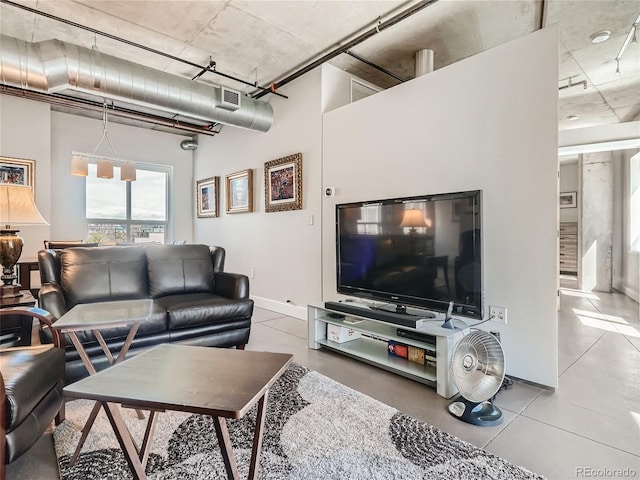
x,y
422,251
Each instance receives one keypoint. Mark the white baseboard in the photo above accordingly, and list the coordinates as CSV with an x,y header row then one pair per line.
x,y
632,293
295,311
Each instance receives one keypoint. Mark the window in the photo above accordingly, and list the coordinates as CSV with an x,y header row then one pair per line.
x,y
128,212
369,222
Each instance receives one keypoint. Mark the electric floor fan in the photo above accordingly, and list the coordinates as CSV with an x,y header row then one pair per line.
x,y
477,369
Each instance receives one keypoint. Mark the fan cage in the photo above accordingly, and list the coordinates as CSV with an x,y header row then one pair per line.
x,y
478,366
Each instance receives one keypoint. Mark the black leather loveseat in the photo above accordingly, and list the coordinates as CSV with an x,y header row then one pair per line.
x,y
194,301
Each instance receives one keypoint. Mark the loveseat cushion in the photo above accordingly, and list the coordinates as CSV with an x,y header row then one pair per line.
x,y
103,274
29,373
195,309
179,269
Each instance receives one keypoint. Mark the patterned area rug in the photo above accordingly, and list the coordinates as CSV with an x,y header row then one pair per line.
x,y
316,428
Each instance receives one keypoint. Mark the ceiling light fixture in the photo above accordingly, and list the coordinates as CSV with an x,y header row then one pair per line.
x,y
600,37
631,35
80,161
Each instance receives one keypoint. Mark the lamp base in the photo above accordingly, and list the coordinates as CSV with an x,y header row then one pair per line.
x,y
7,291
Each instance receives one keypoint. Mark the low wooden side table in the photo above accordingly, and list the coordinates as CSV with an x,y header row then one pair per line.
x,y
24,300
93,317
221,382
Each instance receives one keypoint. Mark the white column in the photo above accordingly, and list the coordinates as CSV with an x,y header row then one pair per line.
x,y
597,181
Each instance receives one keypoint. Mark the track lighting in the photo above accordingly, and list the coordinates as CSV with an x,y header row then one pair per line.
x,y
630,38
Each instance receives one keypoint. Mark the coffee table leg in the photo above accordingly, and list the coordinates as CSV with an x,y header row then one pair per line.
x,y
123,351
148,438
85,431
82,352
125,441
257,437
220,424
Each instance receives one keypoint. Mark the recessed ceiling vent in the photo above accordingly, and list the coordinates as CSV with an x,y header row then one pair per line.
x,y
230,99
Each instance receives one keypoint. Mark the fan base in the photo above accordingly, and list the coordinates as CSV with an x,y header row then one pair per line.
x,y
483,414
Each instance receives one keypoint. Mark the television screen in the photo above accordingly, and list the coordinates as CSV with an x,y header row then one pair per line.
x,y
420,251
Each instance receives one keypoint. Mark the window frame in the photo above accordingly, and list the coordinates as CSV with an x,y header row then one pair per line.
x,y
128,221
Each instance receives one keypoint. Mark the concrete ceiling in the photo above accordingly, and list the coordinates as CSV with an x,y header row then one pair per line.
x,y
264,41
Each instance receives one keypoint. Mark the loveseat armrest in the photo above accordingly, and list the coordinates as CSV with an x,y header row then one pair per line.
x,y
51,299
231,285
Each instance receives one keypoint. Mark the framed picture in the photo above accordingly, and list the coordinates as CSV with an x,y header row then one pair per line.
x,y
17,171
283,183
239,191
207,197
568,199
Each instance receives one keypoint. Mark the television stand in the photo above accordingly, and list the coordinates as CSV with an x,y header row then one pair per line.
x,y
371,347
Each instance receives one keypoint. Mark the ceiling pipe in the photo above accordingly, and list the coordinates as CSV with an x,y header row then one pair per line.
x,y
377,67
93,106
54,66
349,45
189,144
423,62
203,69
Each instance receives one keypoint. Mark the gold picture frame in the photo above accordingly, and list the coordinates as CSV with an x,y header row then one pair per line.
x,y
283,184
239,191
207,197
17,171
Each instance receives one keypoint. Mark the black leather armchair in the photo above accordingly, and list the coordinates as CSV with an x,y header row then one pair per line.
x,y
31,382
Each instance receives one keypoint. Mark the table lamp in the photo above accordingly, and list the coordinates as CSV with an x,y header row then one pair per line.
x,y
16,208
414,218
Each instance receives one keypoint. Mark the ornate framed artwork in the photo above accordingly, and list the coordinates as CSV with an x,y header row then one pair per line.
x,y
207,197
569,200
17,171
283,183
239,191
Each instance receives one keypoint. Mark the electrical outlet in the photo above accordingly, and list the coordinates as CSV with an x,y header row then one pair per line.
x,y
252,273
499,314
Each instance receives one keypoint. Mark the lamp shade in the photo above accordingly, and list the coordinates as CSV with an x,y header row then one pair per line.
x,y
79,165
127,172
414,218
105,169
17,206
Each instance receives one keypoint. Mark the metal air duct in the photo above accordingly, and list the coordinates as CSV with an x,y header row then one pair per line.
x,y
54,66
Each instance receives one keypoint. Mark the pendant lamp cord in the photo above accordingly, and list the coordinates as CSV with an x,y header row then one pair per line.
x,y
105,134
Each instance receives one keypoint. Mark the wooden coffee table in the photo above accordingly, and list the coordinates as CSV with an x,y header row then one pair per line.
x,y
220,382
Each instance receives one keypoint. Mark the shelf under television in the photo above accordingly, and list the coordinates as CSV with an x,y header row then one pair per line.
x,y
374,352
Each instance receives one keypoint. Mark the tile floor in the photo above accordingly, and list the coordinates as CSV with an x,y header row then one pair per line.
x,y
590,425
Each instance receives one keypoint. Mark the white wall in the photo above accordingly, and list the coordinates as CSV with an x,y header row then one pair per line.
x,y
73,133
25,132
282,248
488,122
569,183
